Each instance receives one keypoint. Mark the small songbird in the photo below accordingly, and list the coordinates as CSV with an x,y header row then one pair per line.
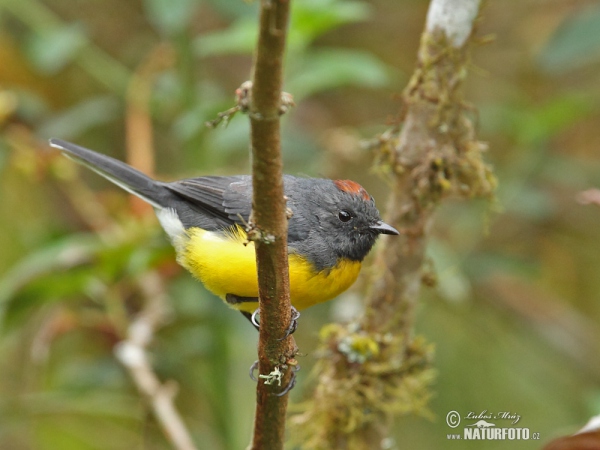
x,y
334,225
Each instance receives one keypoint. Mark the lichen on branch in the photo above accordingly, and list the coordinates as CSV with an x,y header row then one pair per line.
x,y
374,369
437,149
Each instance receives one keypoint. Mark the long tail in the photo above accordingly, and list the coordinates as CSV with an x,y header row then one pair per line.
x,y
123,175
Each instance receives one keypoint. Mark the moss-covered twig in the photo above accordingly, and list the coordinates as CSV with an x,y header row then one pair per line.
x,y
375,368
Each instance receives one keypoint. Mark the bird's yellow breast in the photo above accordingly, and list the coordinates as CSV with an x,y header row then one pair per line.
x,y
226,266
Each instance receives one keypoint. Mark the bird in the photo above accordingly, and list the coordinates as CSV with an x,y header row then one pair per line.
x,y
333,226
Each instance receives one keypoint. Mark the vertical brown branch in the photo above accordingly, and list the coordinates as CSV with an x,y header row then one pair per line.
x,y
270,225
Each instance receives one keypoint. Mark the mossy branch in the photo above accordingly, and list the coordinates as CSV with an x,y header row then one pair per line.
x,y
435,156
375,368
269,227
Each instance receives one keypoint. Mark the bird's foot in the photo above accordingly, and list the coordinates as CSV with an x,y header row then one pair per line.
x,y
255,320
293,324
291,384
253,367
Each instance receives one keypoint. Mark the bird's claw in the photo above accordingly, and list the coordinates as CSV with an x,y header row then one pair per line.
x,y
253,367
295,315
291,384
253,318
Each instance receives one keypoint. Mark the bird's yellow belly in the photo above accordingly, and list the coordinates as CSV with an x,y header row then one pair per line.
x,y
226,266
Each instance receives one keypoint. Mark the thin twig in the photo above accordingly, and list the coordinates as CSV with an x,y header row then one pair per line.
x,y
243,100
132,354
269,224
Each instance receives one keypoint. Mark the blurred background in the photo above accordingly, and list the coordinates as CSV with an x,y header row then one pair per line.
x,y
515,316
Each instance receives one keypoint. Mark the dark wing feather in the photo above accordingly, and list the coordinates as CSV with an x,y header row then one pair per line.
x,y
238,203
238,199
219,202
221,199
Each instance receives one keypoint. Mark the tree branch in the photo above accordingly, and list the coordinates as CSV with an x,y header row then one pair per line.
x,y
269,226
436,155
132,354
375,368
454,17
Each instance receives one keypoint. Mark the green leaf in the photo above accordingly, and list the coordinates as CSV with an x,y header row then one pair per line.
x,y
239,38
67,253
530,124
332,68
313,18
575,43
310,19
552,118
52,49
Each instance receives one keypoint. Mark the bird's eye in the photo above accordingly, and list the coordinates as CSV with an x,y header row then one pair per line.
x,y
345,216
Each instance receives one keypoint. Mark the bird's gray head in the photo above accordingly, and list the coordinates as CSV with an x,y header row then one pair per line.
x,y
348,223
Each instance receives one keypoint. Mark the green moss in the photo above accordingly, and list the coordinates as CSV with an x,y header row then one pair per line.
x,y
364,381
440,156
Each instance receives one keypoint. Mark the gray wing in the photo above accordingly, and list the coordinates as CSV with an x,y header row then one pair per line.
x,y
225,201
221,201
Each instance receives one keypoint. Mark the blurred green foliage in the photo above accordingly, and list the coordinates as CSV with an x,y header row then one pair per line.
x,y
515,314
575,44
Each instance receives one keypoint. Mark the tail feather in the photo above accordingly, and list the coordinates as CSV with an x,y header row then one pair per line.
x,y
123,175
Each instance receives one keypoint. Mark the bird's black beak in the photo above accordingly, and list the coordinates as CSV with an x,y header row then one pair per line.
x,y
384,228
